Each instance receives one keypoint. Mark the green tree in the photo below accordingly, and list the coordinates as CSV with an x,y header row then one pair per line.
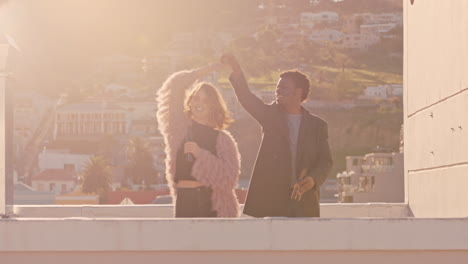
x,y
332,56
97,177
244,47
267,39
302,51
140,167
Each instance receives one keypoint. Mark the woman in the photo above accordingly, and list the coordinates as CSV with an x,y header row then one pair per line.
x,y
202,159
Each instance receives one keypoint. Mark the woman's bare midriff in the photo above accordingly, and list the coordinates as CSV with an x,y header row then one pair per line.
x,y
188,184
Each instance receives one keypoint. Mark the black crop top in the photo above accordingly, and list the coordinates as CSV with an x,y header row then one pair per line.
x,y
206,138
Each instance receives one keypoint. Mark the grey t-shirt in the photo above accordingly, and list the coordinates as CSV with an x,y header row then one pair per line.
x,y
294,123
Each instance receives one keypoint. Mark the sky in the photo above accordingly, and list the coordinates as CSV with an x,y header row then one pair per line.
x,y
60,38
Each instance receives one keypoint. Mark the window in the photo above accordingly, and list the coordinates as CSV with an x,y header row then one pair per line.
x,y
345,180
362,184
366,184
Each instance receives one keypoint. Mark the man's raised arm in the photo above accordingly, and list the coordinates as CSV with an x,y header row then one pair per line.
x,y
251,103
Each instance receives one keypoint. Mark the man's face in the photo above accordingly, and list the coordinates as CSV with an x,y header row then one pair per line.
x,y
287,93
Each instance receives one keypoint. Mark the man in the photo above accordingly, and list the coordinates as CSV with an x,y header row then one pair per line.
x,y
294,157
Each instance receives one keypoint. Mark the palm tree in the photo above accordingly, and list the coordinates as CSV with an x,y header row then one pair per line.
x,y
140,163
97,177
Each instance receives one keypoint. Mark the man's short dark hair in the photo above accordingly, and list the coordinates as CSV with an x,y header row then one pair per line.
x,y
299,79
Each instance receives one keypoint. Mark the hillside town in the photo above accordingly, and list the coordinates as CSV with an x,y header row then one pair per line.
x,y
111,112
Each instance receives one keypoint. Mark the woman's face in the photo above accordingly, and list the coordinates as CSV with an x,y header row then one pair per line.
x,y
200,107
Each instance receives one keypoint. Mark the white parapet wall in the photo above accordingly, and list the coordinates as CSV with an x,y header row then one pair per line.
x,y
337,210
436,107
268,240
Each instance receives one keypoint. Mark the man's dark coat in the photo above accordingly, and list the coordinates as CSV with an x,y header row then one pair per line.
x,y
269,190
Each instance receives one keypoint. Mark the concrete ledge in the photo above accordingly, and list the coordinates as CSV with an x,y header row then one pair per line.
x,y
230,257
387,210
274,234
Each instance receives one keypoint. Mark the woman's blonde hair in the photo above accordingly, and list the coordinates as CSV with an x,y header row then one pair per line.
x,y
220,117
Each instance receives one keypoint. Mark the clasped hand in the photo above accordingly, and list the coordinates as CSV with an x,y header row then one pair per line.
x,y
191,147
301,187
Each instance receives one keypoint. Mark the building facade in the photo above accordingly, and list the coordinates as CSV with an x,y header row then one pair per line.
x,y
436,107
375,177
90,119
57,181
376,29
57,159
383,91
310,19
359,41
326,35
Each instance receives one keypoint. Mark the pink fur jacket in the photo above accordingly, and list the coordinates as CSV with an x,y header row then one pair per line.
x,y
220,172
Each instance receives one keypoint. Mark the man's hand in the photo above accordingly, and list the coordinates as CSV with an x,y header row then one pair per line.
x,y
301,187
231,61
191,147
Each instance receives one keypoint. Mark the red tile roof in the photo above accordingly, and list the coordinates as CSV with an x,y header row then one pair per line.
x,y
54,175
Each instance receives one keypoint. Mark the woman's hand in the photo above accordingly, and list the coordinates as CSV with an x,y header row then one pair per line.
x,y
191,147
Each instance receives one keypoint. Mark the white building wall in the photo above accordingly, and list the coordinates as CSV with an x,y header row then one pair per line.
x,y
57,160
140,110
376,92
436,107
389,182
385,180
396,90
44,186
359,41
388,18
2,144
327,35
309,19
82,121
376,29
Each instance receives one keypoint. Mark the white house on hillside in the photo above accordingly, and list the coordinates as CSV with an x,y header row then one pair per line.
x,y
377,18
54,180
383,91
58,159
310,19
359,41
326,35
376,29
